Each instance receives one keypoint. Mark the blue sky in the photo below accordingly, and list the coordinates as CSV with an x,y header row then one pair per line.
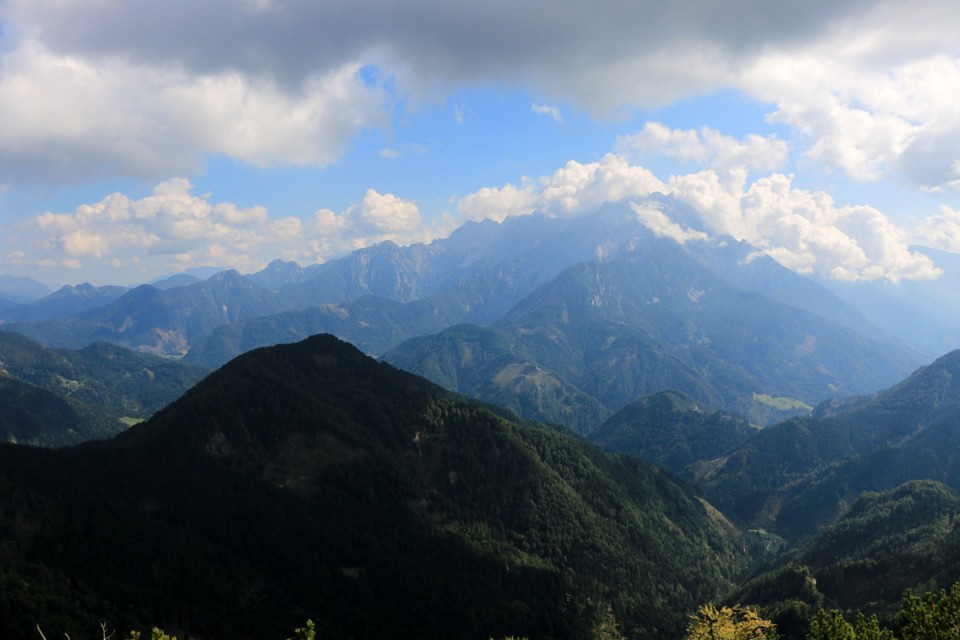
x,y
145,138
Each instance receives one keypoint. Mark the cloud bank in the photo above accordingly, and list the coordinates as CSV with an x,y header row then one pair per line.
x,y
127,241
68,119
139,88
804,230
101,89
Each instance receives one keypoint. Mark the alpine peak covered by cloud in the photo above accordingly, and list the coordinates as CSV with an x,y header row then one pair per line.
x,y
136,134
173,228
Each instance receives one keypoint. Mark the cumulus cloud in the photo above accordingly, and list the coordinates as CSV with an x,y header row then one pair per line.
x,y
579,188
707,147
385,215
127,240
804,230
169,225
941,231
574,189
875,100
67,118
499,203
378,217
653,217
172,228
838,111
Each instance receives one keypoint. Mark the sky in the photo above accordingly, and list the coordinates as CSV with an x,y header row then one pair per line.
x,y
142,138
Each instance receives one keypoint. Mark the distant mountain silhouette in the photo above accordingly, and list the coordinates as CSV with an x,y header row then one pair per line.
x,y
66,301
651,319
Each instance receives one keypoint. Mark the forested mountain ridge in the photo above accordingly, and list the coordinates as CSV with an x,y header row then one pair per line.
x,y
905,540
794,477
308,480
61,396
797,475
864,491
135,383
672,431
31,415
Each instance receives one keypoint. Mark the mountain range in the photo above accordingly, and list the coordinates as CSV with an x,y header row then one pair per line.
x,y
309,481
659,419
800,474
862,493
602,334
575,317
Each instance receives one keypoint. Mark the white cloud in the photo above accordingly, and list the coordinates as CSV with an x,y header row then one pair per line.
x,y
391,153
876,100
868,87
67,118
168,227
574,189
128,240
941,231
579,188
830,106
707,147
804,230
653,217
547,110
125,240
498,203
385,215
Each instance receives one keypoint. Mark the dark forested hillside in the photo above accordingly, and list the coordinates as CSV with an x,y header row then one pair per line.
x,y
132,383
670,430
31,415
863,490
905,540
56,397
798,475
309,481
